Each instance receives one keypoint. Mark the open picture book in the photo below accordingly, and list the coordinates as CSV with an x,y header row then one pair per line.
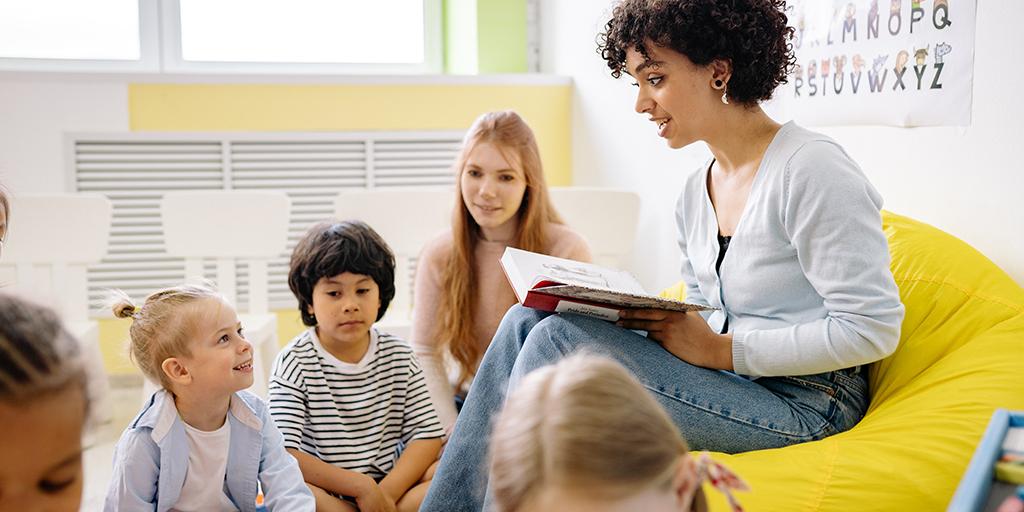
x,y
560,285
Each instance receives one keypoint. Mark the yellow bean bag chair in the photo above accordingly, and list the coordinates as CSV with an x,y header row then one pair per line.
x,y
960,356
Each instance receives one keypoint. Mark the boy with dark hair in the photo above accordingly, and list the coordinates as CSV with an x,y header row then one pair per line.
x,y
351,401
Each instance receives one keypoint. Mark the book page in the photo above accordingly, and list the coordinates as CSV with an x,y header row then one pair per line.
x,y
542,268
620,299
1014,440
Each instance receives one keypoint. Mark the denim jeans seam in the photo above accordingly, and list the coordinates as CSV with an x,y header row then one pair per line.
x,y
811,384
843,392
803,437
849,381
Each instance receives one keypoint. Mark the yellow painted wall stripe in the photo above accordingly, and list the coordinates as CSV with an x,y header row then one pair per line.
x,y
282,107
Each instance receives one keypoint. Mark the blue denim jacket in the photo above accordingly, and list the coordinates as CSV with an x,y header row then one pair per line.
x,y
151,459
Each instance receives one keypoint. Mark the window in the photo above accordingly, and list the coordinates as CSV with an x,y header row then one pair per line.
x,y
104,35
222,36
303,36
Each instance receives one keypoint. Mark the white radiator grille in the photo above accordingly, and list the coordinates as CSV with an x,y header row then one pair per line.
x,y
134,170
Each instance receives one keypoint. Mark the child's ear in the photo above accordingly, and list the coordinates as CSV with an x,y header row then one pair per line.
x,y
686,486
176,371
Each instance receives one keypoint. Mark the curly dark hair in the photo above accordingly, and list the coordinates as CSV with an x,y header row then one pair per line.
x,y
752,34
332,248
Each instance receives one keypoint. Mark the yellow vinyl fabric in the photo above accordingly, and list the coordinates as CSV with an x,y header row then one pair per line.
x,y
960,356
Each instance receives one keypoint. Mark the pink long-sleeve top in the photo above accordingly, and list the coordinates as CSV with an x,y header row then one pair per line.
x,y
493,298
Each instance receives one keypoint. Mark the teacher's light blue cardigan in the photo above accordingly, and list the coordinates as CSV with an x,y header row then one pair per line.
x,y
805,282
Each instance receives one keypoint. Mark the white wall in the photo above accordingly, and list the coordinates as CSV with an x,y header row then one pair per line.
x,y
966,181
34,115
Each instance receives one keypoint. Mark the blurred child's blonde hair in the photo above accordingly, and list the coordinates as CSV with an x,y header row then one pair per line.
x,y
38,357
584,423
161,328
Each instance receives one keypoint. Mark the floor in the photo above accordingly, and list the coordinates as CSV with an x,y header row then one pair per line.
x,y
98,457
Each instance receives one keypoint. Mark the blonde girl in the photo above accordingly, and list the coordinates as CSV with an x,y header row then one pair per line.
x,y
43,408
583,434
461,293
200,427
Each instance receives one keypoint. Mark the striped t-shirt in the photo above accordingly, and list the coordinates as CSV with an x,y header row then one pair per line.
x,y
351,415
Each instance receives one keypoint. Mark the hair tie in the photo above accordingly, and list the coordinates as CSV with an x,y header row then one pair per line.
x,y
722,479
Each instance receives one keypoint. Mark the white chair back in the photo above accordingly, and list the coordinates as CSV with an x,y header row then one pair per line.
x,y
607,218
406,218
52,238
50,242
225,226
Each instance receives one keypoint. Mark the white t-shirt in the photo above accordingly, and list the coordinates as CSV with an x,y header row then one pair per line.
x,y
207,463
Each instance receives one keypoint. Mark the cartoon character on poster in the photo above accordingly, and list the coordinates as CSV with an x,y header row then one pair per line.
x,y
858,68
840,43
838,76
900,69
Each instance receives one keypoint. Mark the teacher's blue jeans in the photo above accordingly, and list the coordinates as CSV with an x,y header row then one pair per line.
x,y
715,410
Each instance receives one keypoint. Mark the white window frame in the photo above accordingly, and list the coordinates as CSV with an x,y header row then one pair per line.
x,y
174,63
160,52
149,52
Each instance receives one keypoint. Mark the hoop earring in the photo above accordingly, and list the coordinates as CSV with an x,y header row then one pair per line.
x,y
720,84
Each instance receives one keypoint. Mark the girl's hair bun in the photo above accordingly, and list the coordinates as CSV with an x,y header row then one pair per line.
x,y
122,305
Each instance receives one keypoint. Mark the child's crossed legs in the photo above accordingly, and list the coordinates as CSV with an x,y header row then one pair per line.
x,y
409,502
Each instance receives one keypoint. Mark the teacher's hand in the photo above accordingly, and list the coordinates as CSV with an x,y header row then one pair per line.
x,y
685,335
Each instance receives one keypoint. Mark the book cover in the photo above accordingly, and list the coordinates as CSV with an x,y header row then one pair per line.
x,y
561,285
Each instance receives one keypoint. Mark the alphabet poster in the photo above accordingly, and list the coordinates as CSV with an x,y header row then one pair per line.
x,y
883,62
